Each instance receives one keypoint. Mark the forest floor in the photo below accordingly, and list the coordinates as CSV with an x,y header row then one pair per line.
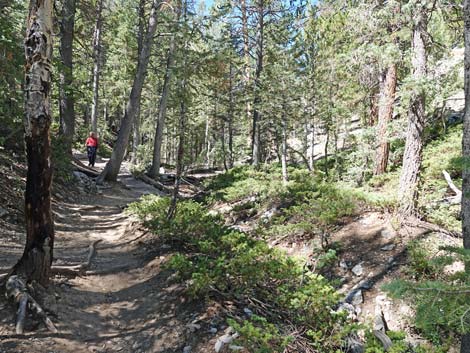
x,y
127,301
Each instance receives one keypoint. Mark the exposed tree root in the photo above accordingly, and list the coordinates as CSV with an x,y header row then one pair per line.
x,y
17,291
75,270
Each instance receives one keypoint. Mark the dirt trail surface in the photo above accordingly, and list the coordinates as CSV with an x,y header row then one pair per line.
x,y
125,303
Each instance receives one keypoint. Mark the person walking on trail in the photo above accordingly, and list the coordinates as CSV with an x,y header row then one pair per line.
x,y
91,147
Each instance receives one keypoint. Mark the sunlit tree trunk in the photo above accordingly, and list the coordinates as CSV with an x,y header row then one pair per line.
x,y
385,114
256,136
408,192
96,65
66,104
136,140
111,170
157,144
37,257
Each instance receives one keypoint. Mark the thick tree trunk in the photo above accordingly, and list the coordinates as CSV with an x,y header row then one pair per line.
x,y
412,158
111,170
36,261
96,65
136,139
157,143
256,148
386,102
66,105
465,344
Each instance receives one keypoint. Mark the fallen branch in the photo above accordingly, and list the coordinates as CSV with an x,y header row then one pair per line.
x,y
78,165
458,194
154,183
17,291
431,227
78,269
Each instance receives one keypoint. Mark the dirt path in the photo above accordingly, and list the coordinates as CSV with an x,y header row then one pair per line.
x,y
127,304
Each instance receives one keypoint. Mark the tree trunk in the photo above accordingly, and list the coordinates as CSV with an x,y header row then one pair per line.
x,y
246,55
111,170
157,144
136,140
256,148
465,344
35,264
412,158
311,159
96,65
284,146
181,132
66,105
387,98
230,119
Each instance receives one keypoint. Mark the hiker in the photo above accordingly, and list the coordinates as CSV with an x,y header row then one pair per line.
x,y
91,147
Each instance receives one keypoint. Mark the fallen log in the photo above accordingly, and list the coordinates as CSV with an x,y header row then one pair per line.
x,y
78,165
154,183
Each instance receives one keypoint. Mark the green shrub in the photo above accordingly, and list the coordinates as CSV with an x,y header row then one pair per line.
x,y
220,261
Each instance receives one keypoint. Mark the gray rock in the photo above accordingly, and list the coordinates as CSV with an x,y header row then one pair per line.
x,y
388,247
248,312
358,270
187,349
388,233
357,298
343,264
3,212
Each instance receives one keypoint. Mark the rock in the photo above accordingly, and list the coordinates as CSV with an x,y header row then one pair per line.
x,y
343,264
193,327
187,349
357,298
358,270
388,247
213,330
235,348
349,309
388,233
3,212
248,311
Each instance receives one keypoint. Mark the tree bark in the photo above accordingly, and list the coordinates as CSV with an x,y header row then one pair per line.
x,y
35,264
230,118
66,93
285,178
465,344
157,143
408,192
256,140
181,132
246,55
385,115
96,65
136,139
111,170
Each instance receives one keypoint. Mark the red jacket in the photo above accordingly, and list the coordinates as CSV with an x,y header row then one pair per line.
x,y
92,142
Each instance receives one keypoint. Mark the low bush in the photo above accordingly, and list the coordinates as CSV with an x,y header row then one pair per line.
x,y
232,264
